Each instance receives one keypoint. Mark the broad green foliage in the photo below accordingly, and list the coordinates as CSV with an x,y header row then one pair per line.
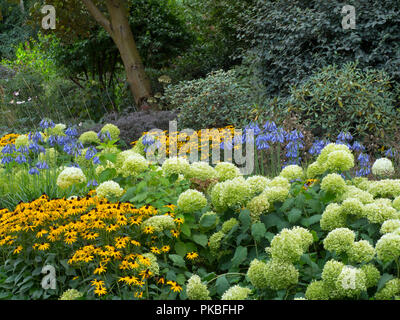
x,y
295,38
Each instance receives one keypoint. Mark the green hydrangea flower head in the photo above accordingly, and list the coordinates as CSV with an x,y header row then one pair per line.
x,y
279,181
201,170
306,237
196,290
71,294
389,291
109,189
229,225
372,275
236,293
256,274
113,130
159,223
89,137
317,290
275,194
133,165
396,203
390,226
286,246
50,156
292,172
215,241
257,206
227,171
333,183
236,192
314,170
257,184
339,161
388,247
331,147
352,206
333,218
356,193
154,268
191,200
175,165
339,240
361,251
379,212
280,275
387,188
22,141
331,272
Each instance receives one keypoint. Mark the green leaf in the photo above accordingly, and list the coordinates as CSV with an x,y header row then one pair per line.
x,y
383,280
244,218
208,221
311,220
177,260
222,285
200,239
294,215
240,256
180,248
186,229
258,231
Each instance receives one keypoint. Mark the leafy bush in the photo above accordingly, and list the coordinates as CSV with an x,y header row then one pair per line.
x,y
345,99
214,101
294,38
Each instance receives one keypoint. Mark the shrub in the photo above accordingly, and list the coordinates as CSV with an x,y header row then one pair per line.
x,y
354,101
293,38
213,102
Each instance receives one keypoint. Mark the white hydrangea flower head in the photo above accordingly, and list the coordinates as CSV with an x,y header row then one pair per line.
x,y
332,218
372,275
317,290
382,167
339,161
159,223
109,189
71,294
202,171
361,251
387,188
257,206
133,165
196,290
89,137
339,240
388,247
22,141
279,181
257,184
280,275
113,130
70,176
351,281
314,170
379,212
275,194
390,226
256,273
333,183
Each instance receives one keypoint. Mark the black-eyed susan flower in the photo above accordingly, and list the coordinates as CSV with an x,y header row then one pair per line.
x,y
192,255
165,249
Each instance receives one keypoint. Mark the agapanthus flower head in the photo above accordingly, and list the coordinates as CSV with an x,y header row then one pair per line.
x,y
196,290
71,132
20,159
42,165
270,126
191,201
109,189
383,167
345,136
333,183
339,240
227,171
236,293
46,123
70,176
33,171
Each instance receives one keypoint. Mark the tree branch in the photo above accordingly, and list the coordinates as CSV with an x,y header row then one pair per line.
x,y
98,15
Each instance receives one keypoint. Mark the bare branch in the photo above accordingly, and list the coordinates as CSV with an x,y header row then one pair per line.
x,y
98,15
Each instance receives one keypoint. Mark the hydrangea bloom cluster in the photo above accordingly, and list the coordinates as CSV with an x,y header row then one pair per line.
x,y
257,206
70,176
227,171
202,171
133,165
339,240
333,183
196,290
109,189
230,193
292,172
236,293
383,167
89,137
175,165
257,184
159,223
191,201
71,294
388,247
112,130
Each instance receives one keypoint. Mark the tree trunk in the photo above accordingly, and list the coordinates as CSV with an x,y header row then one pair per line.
x,y
120,31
